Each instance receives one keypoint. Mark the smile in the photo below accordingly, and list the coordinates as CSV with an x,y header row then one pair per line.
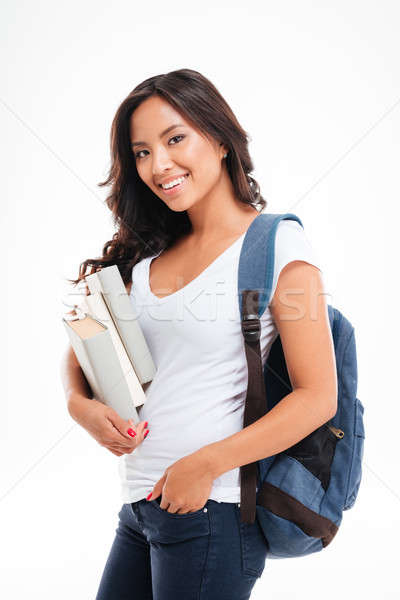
x,y
174,183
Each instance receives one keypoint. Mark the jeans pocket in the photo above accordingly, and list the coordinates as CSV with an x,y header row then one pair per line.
x,y
157,503
168,528
254,546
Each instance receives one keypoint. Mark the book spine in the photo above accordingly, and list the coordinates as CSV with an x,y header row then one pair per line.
x,y
99,310
110,376
108,282
100,364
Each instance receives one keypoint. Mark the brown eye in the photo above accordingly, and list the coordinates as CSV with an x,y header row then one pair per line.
x,y
176,138
139,154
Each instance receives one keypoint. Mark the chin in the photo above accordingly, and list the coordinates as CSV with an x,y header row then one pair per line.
x,y
178,205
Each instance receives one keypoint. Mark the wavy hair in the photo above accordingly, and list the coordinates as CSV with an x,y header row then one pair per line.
x,y
144,224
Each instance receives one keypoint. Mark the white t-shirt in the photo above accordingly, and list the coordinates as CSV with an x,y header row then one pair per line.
x,y
194,336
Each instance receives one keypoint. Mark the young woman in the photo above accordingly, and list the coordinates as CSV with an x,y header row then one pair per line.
x,y
182,197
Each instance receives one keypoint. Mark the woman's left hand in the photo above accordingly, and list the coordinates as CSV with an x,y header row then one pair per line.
x,y
186,485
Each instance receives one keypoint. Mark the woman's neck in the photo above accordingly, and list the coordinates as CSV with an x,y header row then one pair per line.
x,y
220,215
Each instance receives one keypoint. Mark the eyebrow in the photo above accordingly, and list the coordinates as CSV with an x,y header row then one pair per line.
x,y
161,134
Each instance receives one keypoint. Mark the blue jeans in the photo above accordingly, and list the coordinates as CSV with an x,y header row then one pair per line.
x,y
205,555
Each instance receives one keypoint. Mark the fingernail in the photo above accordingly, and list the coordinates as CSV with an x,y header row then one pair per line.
x,y
149,496
145,425
131,432
146,433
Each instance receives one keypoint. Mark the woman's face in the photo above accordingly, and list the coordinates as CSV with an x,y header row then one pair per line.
x,y
174,158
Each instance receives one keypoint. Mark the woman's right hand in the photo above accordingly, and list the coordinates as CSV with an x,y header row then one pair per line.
x,y
106,426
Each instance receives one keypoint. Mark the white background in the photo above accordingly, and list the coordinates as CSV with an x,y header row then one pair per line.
x,y
316,85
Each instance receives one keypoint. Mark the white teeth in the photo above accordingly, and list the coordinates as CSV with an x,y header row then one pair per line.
x,y
171,184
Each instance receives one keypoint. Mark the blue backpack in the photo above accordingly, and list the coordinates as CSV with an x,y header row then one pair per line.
x,y
303,491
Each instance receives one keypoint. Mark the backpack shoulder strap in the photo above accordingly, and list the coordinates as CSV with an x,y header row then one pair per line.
x,y
256,269
256,263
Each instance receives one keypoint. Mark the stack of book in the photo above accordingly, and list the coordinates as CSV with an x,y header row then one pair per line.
x,y
109,344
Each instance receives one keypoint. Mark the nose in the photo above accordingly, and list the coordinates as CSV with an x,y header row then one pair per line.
x,y
161,161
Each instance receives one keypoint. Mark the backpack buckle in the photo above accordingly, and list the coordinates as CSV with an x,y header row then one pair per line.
x,y
251,327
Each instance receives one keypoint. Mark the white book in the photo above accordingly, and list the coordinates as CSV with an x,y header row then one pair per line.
x,y
108,282
96,354
95,306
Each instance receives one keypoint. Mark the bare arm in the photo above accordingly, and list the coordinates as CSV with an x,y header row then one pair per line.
x,y
73,379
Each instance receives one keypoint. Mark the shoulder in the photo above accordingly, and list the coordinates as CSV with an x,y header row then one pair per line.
x,y
292,249
289,230
292,243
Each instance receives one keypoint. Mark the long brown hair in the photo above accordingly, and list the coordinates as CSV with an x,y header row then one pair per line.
x,y
144,223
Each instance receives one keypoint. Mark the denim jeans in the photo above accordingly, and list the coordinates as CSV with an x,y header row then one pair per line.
x,y
204,555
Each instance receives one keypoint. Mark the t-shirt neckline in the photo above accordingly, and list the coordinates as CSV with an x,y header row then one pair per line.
x,y
193,281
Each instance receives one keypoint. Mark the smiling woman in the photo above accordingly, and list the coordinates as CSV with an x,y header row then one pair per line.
x,y
184,169
165,116
183,199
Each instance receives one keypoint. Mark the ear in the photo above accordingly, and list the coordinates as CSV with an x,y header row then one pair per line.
x,y
223,149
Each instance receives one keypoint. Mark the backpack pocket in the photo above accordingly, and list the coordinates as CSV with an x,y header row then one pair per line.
x,y
291,477
288,506
285,538
357,455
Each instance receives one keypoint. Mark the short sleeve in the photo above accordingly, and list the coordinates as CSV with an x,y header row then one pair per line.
x,y
291,244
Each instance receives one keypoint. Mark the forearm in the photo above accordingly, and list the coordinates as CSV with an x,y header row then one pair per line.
x,y
295,417
77,390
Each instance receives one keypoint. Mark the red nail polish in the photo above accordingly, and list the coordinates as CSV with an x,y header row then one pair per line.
x,y
131,432
146,433
149,496
145,425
